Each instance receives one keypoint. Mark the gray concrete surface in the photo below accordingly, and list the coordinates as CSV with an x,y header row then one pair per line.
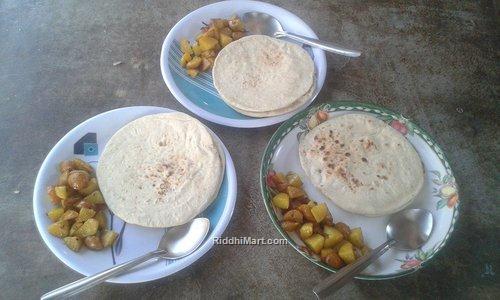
x,y
435,61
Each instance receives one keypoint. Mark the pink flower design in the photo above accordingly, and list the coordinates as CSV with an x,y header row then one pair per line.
x,y
411,263
399,126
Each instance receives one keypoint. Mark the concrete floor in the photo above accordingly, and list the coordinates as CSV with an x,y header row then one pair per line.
x,y
436,62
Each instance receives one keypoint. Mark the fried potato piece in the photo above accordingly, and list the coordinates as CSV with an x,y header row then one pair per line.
x,y
94,198
194,63
93,242
59,229
88,228
55,213
108,237
207,43
73,242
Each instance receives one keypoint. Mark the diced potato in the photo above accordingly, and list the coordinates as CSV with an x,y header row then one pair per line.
x,y
83,203
365,250
78,179
73,242
85,214
88,228
294,192
69,203
342,227
55,213
207,43
186,47
226,30
95,198
79,164
290,225
236,25
356,237
294,216
59,229
61,191
346,252
294,180
225,40
220,23
196,49
315,242
93,242
334,260
312,203
281,200
192,72
211,32
306,230
91,187
333,236
317,228
325,252
69,215
279,178
205,64
51,191
319,212
66,166
208,54
63,178
328,220
306,212
236,35
186,57
101,218
74,227
194,63
108,237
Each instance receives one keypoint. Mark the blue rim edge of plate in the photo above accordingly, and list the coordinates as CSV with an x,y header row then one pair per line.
x,y
202,250
168,78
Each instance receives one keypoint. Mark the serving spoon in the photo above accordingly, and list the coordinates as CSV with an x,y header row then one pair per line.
x,y
177,242
406,230
262,23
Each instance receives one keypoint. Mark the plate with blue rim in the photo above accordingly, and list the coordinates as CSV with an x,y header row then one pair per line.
x,y
439,195
199,94
86,141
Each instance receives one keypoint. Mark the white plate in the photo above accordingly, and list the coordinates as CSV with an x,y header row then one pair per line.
x,y
86,141
439,194
198,94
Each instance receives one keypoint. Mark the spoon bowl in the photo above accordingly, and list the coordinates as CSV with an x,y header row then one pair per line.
x,y
180,241
410,228
262,23
406,230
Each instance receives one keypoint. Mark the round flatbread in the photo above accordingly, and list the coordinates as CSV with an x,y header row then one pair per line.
x,y
258,73
299,103
362,164
160,170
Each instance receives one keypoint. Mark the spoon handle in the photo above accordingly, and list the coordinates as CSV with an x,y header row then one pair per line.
x,y
90,281
331,47
339,279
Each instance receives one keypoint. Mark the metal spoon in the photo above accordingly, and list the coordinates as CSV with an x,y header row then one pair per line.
x,y
262,23
407,230
177,242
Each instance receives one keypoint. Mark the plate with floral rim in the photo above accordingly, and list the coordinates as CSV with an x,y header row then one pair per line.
x,y
85,141
439,195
